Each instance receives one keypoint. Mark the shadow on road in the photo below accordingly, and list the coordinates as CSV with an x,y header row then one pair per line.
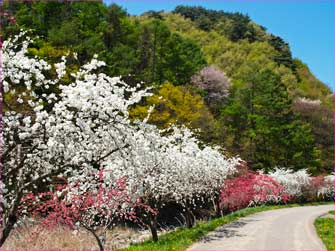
x,y
226,231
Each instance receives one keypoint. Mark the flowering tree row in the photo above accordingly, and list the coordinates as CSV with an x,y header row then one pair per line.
x,y
82,129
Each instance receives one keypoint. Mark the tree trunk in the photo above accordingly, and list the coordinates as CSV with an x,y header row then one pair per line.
x,y
153,76
100,243
218,210
189,220
7,229
8,224
153,227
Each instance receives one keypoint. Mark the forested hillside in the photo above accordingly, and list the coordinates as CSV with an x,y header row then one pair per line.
x,y
212,70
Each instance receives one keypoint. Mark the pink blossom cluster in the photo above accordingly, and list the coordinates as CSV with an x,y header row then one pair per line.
x,y
7,18
67,206
251,188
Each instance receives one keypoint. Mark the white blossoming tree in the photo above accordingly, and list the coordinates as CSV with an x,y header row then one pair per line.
x,y
87,124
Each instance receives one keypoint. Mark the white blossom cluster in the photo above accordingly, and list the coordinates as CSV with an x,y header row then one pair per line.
x,y
312,102
296,183
86,127
20,71
293,182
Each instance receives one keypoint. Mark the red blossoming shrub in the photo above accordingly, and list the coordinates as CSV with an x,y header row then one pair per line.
x,y
250,189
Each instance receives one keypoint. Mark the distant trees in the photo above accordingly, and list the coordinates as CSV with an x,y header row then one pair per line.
x,y
264,128
235,26
310,87
115,30
167,55
284,53
239,60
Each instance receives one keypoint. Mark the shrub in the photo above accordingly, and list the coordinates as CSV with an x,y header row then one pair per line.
x,y
251,189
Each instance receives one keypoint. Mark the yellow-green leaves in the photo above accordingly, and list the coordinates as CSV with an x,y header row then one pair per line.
x,y
175,105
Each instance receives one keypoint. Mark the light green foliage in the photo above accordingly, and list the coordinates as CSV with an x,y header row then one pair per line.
x,y
235,26
177,105
309,86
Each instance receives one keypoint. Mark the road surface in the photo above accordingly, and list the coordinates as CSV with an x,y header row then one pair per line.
x,y
281,229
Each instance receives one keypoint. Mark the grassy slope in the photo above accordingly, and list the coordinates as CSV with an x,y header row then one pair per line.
x,y
183,237
325,229
309,86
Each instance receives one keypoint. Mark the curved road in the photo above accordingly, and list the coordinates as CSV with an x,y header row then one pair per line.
x,y
280,229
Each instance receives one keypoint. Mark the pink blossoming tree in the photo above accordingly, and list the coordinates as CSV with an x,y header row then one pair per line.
x,y
95,209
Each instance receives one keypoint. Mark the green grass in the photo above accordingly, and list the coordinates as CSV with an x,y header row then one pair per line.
x,y
182,238
325,229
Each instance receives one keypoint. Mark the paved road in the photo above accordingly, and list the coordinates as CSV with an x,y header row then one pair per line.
x,y
281,229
